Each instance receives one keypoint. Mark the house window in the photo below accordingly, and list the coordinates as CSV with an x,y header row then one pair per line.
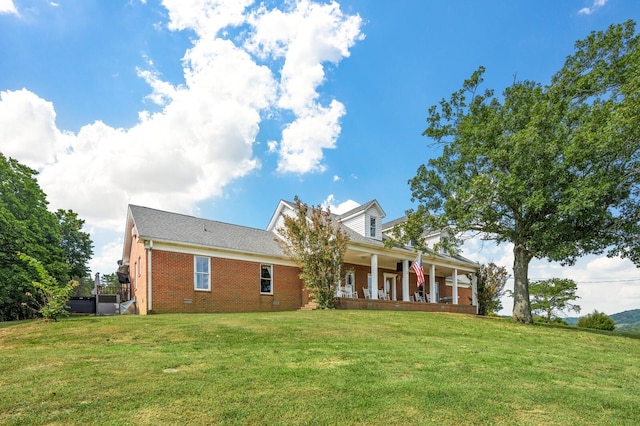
x,y
372,226
266,279
202,276
138,265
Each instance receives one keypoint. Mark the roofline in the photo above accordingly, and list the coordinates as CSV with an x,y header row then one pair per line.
x,y
207,248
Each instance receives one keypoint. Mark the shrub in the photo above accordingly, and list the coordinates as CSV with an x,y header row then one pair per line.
x,y
50,299
596,320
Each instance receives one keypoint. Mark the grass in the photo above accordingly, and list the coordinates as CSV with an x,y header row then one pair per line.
x,y
318,367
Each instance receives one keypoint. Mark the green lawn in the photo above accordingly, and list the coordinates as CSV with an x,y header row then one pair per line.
x,y
317,367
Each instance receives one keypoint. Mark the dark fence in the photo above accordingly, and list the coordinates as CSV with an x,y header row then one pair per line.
x,y
82,305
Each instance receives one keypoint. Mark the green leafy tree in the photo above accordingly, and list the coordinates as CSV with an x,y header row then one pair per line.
x,y
491,281
552,169
551,297
25,226
55,240
76,244
596,320
85,287
317,244
51,299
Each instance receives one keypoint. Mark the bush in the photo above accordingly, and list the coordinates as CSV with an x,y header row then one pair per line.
x,y
556,321
597,320
50,299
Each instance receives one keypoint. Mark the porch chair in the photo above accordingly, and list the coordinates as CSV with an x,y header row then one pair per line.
x,y
348,291
418,297
382,295
366,293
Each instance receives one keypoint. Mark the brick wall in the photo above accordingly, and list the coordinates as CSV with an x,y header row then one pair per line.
x,y
235,286
390,305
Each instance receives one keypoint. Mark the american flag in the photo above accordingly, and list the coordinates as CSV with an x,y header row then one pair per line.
x,y
417,268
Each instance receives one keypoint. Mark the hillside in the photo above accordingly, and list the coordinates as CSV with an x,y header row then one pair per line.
x,y
316,367
625,321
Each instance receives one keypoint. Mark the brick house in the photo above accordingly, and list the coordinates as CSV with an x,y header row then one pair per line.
x,y
181,263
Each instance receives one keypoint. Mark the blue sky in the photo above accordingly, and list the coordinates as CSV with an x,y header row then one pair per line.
x,y
220,109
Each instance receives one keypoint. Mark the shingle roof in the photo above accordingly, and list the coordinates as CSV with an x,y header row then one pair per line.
x,y
179,228
390,224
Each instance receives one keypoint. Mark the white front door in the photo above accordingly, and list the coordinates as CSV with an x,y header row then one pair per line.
x,y
390,286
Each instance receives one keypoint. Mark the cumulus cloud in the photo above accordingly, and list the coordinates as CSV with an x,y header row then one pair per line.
x,y
305,37
202,137
7,7
597,4
605,284
28,128
339,208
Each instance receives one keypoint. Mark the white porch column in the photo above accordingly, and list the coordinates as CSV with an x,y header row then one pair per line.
x,y
433,292
405,281
374,276
455,287
474,291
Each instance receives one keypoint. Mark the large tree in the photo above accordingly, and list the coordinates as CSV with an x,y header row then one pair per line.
x,y
550,298
317,244
76,244
28,227
552,169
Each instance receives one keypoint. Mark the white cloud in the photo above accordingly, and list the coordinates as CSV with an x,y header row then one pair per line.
x,y
203,136
305,37
340,208
7,7
206,17
305,138
27,128
605,284
597,4
104,261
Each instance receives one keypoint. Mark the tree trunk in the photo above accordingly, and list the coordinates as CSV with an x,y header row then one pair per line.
x,y
521,305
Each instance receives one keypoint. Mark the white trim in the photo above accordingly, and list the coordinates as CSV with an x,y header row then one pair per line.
x,y
374,276
394,279
454,293
195,272
405,280
149,280
222,254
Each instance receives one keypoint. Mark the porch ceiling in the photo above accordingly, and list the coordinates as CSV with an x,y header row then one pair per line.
x,y
390,262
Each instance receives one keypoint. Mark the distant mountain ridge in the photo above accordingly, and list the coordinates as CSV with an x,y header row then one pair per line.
x,y
626,320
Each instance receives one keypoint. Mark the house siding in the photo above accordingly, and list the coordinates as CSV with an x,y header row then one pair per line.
x,y
235,286
138,275
356,224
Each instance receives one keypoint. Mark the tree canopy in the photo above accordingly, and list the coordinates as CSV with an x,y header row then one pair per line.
x,y
552,169
317,244
551,297
27,227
